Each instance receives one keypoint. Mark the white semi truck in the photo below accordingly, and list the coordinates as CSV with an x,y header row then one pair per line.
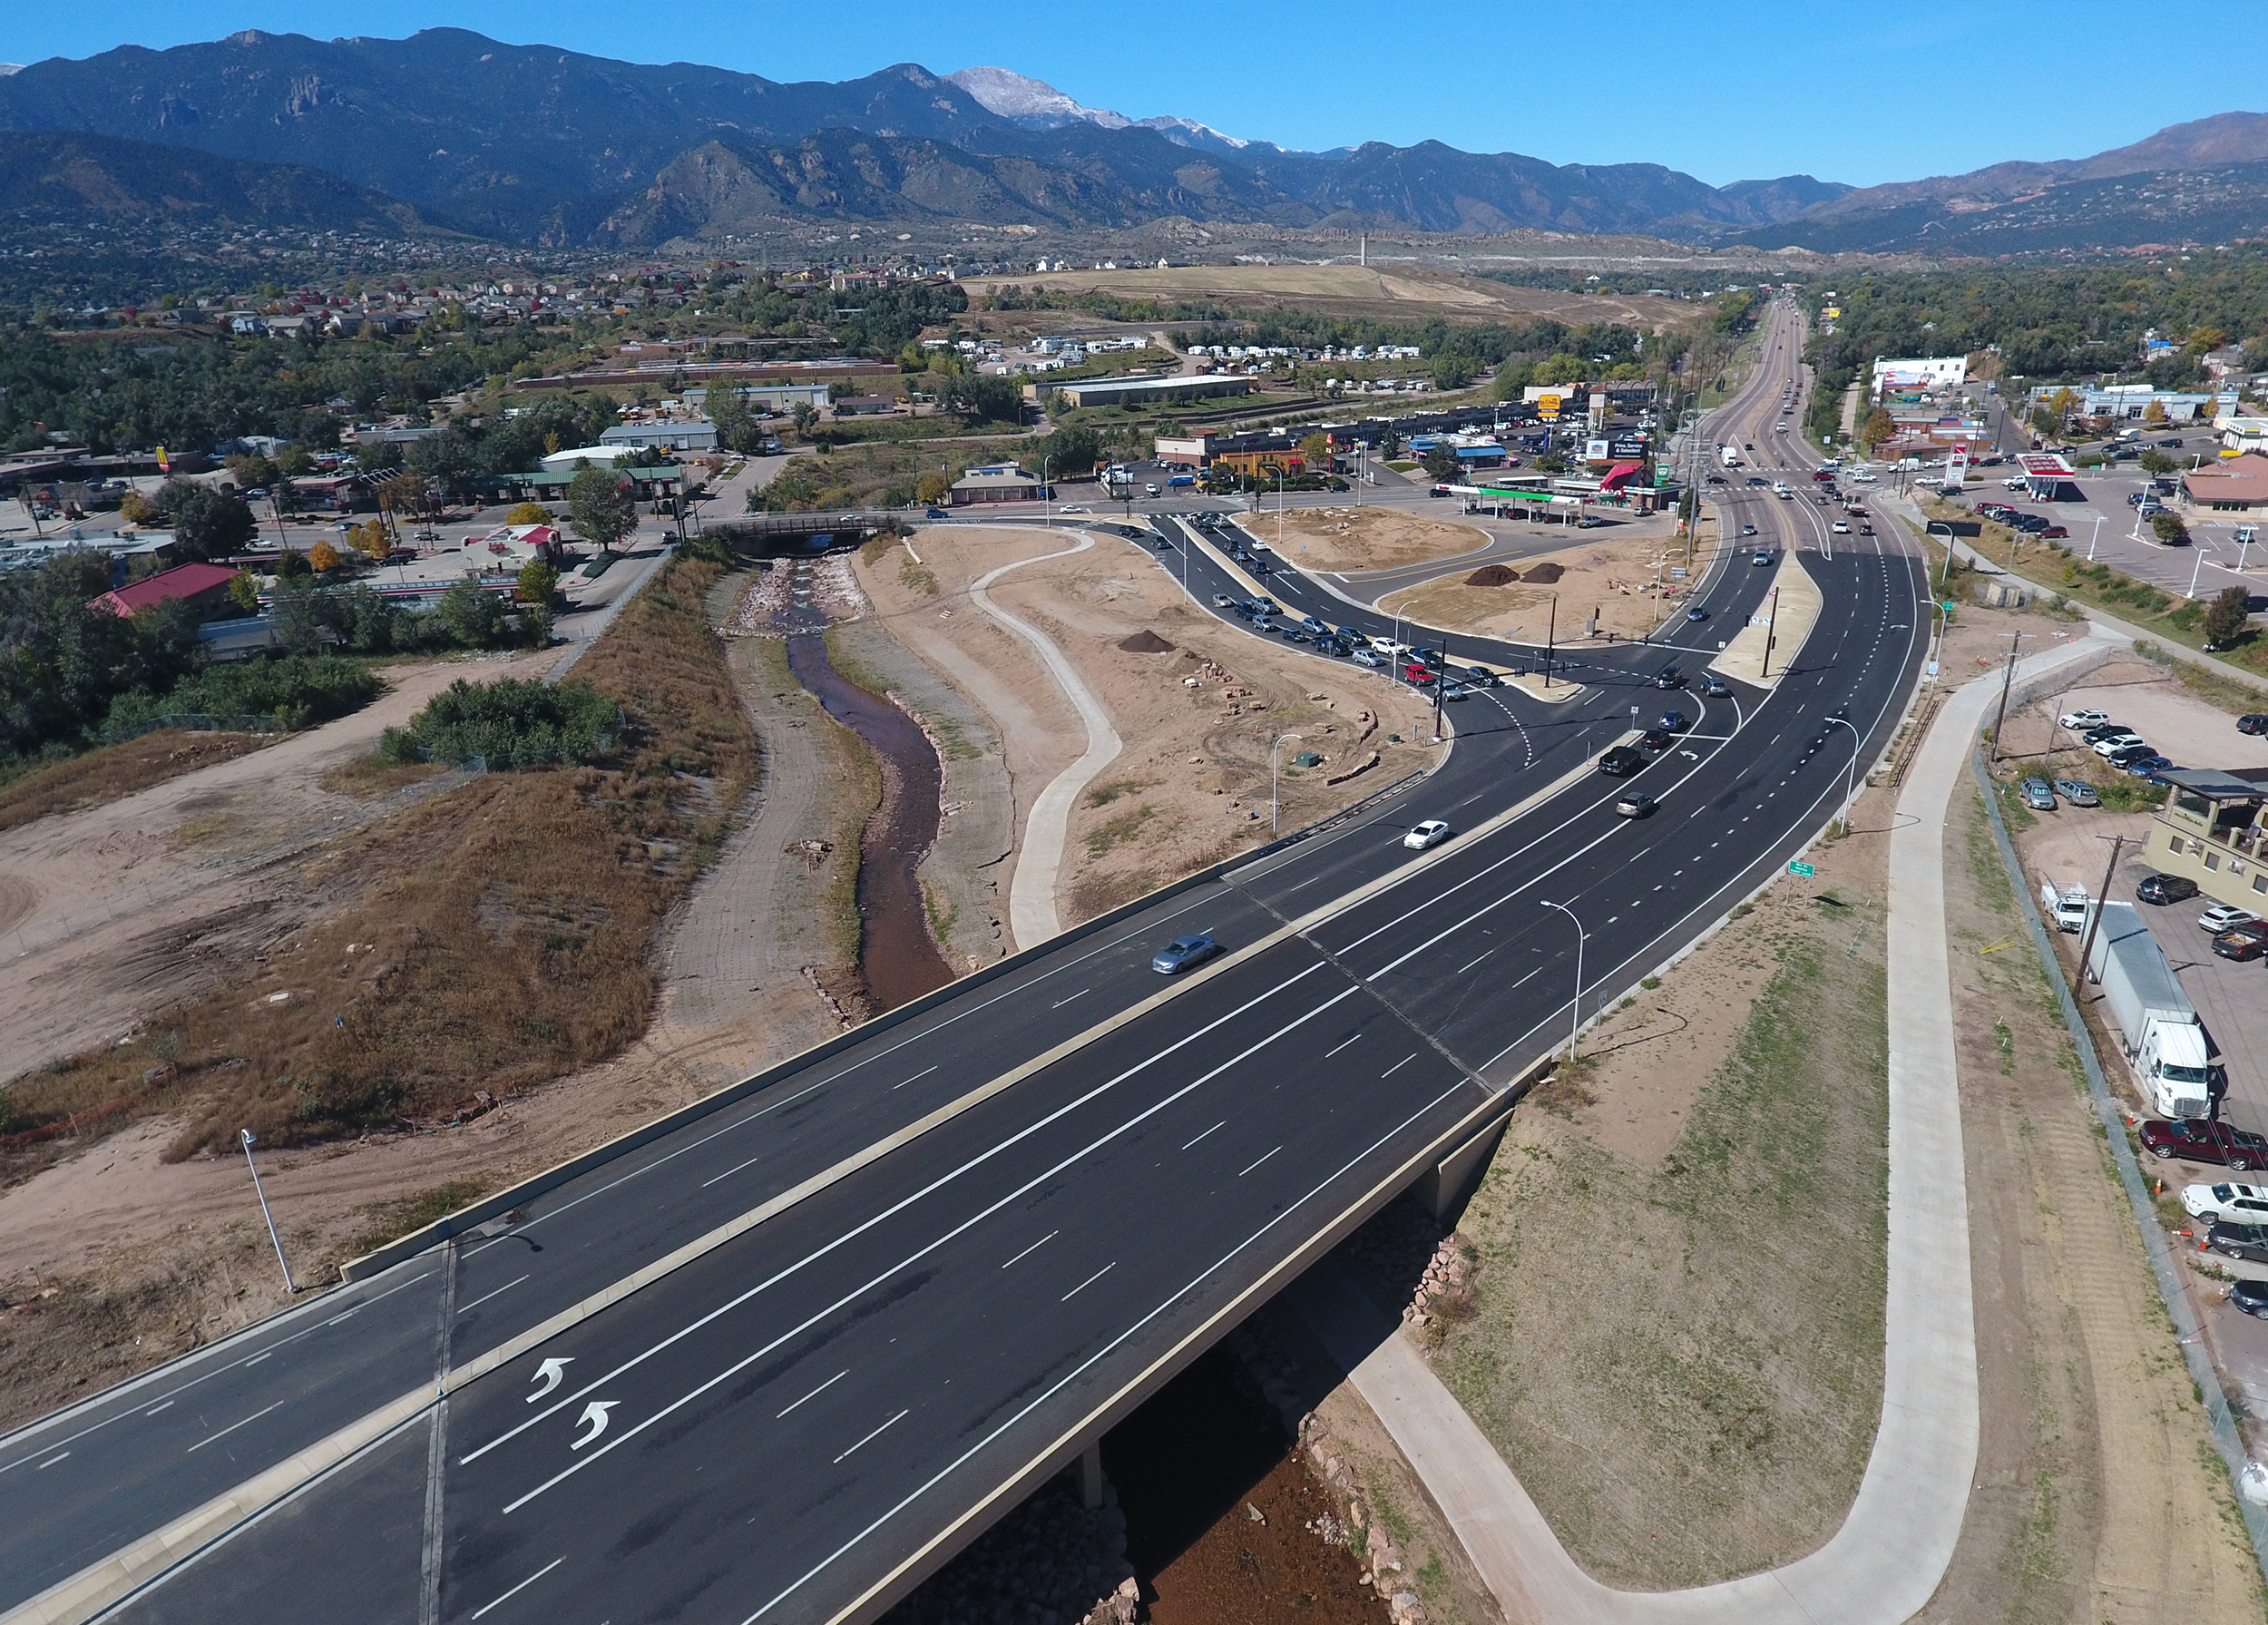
x,y
1731,454
2157,1026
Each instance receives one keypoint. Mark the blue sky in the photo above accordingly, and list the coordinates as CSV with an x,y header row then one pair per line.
x,y
1720,89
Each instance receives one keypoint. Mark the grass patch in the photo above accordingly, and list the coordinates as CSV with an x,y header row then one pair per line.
x,y
496,935
1115,832
114,771
390,1221
1709,1410
1102,795
368,777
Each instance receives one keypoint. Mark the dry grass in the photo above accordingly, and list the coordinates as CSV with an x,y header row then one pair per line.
x,y
496,935
368,777
119,770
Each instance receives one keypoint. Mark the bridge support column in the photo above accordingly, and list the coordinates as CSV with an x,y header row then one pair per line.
x,y
1090,1476
1443,1189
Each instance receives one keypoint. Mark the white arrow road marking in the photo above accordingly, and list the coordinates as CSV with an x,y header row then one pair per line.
x,y
595,1418
550,1373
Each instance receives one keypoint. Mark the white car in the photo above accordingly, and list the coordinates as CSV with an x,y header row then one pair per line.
x,y
1072,507
2080,721
2242,1204
2226,917
1389,647
1839,528
1425,835
2111,747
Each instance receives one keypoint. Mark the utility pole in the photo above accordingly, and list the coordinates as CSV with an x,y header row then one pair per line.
x,y
1551,633
1771,631
2095,917
2008,680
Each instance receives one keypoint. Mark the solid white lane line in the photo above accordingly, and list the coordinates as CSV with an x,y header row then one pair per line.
x,y
484,1297
1041,1242
814,1392
1223,1123
917,1077
233,1426
257,1359
1524,980
52,1460
523,1586
1335,1049
935,1185
1059,1004
1470,963
1104,1352
1089,1281
735,1168
1250,1166
871,1437
1396,1067
163,1405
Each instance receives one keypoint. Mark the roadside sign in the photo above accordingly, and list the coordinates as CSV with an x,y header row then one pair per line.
x,y
1948,606
1796,865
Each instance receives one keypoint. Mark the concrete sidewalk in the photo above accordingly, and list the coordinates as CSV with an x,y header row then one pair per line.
x,y
1032,916
1885,1561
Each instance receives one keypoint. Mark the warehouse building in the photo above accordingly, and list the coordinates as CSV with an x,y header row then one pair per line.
x,y
1143,391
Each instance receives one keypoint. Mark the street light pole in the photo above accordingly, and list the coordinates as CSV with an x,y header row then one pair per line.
x,y
2194,568
2095,538
1851,775
1272,775
1581,937
264,1213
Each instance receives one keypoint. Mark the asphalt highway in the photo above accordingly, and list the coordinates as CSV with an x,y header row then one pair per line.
x,y
808,1414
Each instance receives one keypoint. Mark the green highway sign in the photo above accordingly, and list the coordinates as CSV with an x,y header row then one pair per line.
x,y
1796,865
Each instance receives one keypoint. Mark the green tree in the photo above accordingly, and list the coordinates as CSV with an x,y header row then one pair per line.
x,y
1316,452
206,523
1441,461
2227,616
538,581
2155,461
1879,427
2168,528
475,619
602,507
244,592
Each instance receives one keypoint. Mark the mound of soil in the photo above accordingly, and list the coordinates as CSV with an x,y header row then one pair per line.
x,y
1145,643
1492,576
1545,572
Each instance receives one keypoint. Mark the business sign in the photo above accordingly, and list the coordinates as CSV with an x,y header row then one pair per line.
x,y
1630,447
1548,405
1595,451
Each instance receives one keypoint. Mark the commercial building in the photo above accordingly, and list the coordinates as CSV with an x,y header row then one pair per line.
x,y
2239,433
766,397
1920,372
2131,403
1143,391
1000,482
203,587
2233,485
598,457
694,435
2210,830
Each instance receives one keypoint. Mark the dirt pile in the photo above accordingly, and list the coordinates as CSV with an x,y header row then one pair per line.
x,y
1546,572
1147,642
1492,576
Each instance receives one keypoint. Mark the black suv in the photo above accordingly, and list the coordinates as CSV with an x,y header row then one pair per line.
x,y
2165,888
1620,762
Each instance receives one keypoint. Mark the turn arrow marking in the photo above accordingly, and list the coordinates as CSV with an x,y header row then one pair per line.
x,y
550,1373
595,1418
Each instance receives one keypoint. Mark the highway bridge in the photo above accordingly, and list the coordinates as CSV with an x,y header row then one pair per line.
x,y
782,1360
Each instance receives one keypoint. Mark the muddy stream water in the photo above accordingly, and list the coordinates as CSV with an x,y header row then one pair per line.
x,y
897,958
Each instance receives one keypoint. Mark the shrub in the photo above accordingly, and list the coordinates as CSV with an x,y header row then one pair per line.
x,y
2226,616
291,691
529,513
516,722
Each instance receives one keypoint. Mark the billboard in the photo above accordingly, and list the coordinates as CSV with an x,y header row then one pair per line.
x,y
1628,448
1596,451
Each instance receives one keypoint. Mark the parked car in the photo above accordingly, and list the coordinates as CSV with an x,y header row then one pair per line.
x,y
2037,795
2146,767
1633,803
2111,747
2206,1140
2249,1241
2054,532
2256,723
2079,721
2246,942
1425,835
2104,731
2236,1204
2077,792
1620,762
2250,1297
1183,951
2165,888
2225,917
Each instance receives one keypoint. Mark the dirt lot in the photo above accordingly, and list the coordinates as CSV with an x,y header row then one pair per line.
x,y
1342,539
1606,586
1406,292
1710,1188
147,899
116,771
1198,716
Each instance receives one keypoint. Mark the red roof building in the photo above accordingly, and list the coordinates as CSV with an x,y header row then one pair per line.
x,y
205,587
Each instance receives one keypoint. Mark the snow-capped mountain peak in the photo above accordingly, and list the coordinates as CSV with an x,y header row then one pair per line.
x,y
1038,105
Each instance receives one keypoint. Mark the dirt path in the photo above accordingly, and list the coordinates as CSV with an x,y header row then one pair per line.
x,y
154,897
1197,702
